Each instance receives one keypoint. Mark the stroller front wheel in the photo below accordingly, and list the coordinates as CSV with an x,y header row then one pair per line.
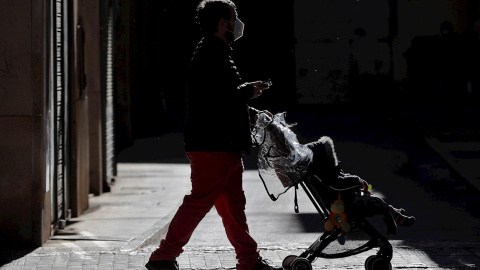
x,y
301,264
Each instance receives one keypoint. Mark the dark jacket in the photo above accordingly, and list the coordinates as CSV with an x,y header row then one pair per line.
x,y
217,112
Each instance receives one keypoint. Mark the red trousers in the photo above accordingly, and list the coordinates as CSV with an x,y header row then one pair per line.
x,y
216,181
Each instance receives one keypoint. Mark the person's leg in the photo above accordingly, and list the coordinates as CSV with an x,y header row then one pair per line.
x,y
391,216
371,205
209,172
230,206
398,215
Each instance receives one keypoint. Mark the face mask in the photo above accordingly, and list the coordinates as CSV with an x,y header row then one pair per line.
x,y
237,30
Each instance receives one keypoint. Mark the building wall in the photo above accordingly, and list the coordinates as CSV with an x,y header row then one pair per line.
x,y
26,217
124,72
343,51
79,106
337,40
25,203
94,88
86,101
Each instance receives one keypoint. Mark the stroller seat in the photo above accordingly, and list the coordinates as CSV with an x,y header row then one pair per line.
x,y
285,163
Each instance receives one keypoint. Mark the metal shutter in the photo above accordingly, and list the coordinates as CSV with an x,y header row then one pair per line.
x,y
57,125
109,114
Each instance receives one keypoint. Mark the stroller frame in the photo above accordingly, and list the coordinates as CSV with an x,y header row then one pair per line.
x,y
380,261
311,185
318,191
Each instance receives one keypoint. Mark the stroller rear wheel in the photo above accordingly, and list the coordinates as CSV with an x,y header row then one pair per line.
x,y
301,264
377,263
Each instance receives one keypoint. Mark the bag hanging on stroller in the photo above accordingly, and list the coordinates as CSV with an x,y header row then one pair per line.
x,y
284,163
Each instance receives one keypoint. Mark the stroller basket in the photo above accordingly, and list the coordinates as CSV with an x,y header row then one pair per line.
x,y
284,163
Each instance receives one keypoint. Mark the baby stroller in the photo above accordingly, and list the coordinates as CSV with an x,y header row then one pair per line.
x,y
284,163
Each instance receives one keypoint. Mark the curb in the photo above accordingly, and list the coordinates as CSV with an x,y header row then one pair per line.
x,y
444,153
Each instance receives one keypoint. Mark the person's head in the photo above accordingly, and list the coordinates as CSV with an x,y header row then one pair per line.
x,y
217,17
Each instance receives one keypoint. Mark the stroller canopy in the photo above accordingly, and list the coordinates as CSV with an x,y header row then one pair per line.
x,y
282,161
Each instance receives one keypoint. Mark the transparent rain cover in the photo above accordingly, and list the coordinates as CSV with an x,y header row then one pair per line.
x,y
282,160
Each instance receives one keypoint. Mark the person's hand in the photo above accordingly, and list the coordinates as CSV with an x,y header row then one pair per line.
x,y
258,88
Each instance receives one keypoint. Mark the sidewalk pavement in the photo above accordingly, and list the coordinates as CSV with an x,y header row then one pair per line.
x,y
141,202
462,156
454,134
121,228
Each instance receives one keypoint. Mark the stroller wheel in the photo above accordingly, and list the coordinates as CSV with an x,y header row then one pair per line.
x,y
377,263
369,261
288,260
381,264
301,264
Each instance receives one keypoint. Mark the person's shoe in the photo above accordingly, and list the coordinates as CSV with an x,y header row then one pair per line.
x,y
400,218
162,265
263,265
403,220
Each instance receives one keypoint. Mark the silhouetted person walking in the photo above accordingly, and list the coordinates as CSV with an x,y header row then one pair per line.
x,y
216,133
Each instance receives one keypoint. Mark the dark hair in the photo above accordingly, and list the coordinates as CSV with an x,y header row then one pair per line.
x,y
209,12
